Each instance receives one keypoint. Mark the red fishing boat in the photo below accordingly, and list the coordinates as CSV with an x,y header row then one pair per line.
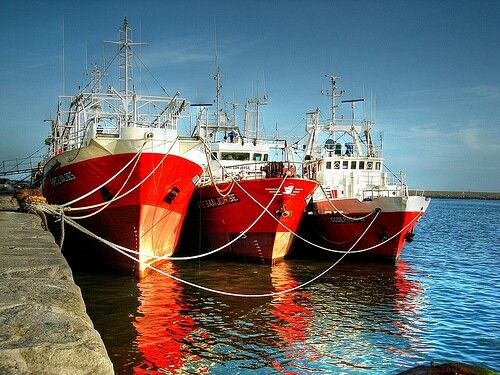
x,y
357,208
245,204
120,170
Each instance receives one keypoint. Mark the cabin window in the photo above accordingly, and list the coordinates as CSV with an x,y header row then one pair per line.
x,y
336,165
353,165
369,165
257,157
328,165
345,164
235,156
265,157
361,165
377,165
214,156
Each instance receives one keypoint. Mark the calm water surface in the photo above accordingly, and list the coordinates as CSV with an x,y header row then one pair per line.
x,y
439,303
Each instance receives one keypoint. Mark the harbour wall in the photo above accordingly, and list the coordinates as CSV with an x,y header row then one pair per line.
x,y
458,194
44,327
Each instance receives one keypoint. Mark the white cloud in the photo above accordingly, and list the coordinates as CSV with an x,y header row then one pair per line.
x,y
470,138
192,49
175,55
477,139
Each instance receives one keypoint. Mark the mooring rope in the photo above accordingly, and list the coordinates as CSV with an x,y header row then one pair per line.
x,y
260,295
326,248
191,257
131,189
60,212
106,182
114,199
339,211
392,237
295,233
212,178
242,295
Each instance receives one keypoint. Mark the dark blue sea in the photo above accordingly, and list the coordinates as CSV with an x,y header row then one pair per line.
x,y
440,303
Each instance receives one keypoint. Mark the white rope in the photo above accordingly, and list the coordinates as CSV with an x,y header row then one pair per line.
x,y
340,212
243,295
299,236
132,189
63,232
210,173
106,182
113,199
130,251
217,291
390,238
326,248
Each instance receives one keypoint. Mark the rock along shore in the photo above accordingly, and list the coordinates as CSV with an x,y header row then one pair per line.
x,y
44,327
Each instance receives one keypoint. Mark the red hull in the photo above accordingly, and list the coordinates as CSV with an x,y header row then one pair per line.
x,y
147,220
220,220
385,238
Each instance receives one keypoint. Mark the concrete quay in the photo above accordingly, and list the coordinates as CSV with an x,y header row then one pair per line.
x,y
44,327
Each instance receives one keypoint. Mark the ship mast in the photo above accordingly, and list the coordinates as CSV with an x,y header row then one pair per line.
x,y
334,94
218,86
125,51
258,102
352,131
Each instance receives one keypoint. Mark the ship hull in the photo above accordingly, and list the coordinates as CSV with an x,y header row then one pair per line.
x,y
147,220
219,220
338,226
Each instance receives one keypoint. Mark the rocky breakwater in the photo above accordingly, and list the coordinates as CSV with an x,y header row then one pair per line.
x,y
44,328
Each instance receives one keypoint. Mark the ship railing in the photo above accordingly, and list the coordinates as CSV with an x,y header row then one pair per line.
x,y
343,151
228,177
207,122
144,111
370,194
417,192
246,171
19,165
104,130
71,141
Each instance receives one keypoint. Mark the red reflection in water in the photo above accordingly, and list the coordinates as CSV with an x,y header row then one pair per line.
x,y
163,327
408,300
408,291
292,318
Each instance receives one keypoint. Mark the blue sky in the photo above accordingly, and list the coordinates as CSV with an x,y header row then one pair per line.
x,y
433,67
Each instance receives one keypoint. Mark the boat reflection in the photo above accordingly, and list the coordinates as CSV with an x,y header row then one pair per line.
x,y
354,314
409,300
364,311
291,315
163,323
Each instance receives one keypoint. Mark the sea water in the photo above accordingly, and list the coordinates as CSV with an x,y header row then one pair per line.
x,y
439,303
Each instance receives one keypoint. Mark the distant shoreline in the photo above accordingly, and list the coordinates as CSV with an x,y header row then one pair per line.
x,y
7,188
460,194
